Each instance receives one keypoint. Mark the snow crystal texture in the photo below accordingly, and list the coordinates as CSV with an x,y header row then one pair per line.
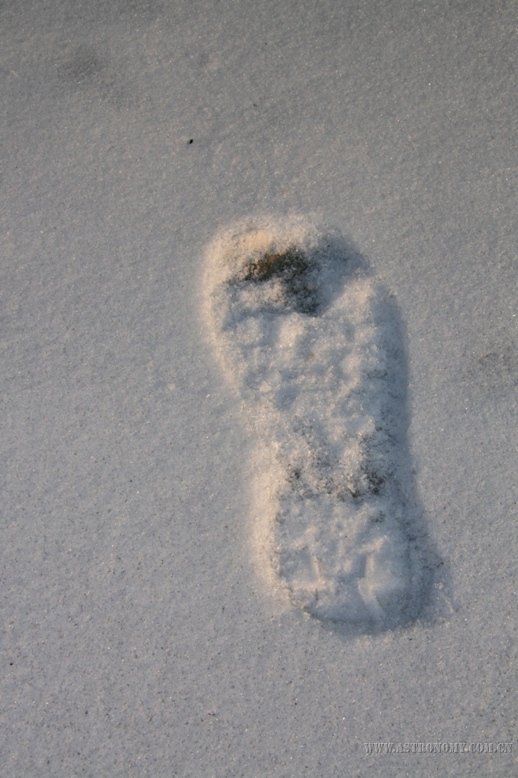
x,y
307,341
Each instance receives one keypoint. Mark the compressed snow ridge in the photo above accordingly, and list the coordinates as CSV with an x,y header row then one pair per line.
x,y
307,341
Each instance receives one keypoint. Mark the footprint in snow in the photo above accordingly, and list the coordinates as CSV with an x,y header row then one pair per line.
x,y
310,345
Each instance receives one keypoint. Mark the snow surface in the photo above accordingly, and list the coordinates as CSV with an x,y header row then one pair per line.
x,y
138,637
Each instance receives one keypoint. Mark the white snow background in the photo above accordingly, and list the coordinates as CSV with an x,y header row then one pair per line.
x,y
137,638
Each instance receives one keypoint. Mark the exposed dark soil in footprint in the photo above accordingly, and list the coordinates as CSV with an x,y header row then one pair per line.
x,y
296,274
